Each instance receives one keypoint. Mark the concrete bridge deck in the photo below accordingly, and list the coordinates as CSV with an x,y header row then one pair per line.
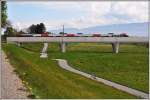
x,y
115,41
80,39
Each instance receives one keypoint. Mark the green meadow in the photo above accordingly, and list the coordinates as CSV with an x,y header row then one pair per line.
x,y
45,79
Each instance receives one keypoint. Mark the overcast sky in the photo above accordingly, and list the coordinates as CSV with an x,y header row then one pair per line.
x,y
76,14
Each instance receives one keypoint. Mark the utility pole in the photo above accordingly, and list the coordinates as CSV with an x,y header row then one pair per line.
x,y
62,34
63,48
63,30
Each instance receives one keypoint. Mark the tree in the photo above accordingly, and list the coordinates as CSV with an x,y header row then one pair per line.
x,y
3,14
10,32
41,28
21,32
50,33
61,33
38,29
32,29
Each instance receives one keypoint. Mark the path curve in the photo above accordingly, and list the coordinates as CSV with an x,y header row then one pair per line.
x,y
63,64
11,86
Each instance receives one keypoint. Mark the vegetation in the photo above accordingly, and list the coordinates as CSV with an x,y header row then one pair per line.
x,y
129,67
47,80
3,13
61,33
37,29
6,24
21,32
10,32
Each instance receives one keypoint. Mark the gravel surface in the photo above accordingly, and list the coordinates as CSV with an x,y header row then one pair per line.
x,y
11,87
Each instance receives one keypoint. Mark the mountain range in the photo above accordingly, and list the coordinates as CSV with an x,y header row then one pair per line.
x,y
132,29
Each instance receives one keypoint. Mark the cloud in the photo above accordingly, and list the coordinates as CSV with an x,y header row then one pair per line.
x,y
94,13
136,10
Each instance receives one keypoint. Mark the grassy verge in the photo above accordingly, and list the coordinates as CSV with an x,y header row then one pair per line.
x,y
129,67
46,80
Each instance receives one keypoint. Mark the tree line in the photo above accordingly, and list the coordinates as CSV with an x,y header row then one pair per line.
x,y
37,29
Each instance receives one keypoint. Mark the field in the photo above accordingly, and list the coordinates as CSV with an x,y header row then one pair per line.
x,y
129,67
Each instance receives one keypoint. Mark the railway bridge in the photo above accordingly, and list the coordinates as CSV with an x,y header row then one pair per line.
x,y
114,41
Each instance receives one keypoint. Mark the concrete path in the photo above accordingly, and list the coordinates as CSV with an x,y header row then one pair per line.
x,y
11,85
63,64
44,51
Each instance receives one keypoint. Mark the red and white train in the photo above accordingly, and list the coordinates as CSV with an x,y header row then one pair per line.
x,y
73,35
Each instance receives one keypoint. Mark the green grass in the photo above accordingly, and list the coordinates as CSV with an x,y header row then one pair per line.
x,y
129,67
46,79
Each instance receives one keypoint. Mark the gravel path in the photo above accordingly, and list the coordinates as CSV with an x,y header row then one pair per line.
x,y
11,86
63,64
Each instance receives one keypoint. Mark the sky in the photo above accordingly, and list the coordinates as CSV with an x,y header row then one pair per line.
x,y
76,14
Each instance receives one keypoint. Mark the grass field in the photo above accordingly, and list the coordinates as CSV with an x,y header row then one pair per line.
x,y
129,67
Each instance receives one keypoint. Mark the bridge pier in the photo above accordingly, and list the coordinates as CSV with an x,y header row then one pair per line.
x,y
18,44
115,47
44,51
63,47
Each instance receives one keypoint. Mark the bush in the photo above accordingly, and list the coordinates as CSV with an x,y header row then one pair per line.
x,y
10,32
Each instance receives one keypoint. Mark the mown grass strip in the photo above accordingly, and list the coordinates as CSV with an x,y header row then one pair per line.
x,y
46,80
129,67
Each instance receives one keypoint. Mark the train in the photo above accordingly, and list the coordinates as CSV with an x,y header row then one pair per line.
x,y
45,34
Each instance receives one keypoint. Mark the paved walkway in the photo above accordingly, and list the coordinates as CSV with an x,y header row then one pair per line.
x,y
63,64
11,85
44,51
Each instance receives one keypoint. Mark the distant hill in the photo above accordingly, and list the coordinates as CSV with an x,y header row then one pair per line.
x,y
133,29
